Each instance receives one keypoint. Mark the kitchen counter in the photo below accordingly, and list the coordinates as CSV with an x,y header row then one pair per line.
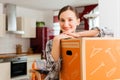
x,y
10,55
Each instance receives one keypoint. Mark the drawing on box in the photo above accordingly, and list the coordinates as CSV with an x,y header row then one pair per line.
x,y
73,59
102,61
111,72
95,51
98,68
109,52
76,74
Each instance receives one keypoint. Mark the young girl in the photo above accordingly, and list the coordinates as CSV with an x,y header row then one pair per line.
x,y
69,20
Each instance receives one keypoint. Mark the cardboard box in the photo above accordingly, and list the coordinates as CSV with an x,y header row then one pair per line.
x,y
90,59
71,64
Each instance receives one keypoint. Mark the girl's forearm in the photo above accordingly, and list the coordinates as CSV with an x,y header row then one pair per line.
x,y
89,33
56,49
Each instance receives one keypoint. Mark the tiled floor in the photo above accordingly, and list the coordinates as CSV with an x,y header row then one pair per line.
x,y
23,79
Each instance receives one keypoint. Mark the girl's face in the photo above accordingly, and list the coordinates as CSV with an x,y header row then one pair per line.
x,y
68,21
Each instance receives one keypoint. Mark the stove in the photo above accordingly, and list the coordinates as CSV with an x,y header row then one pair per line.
x,y
18,66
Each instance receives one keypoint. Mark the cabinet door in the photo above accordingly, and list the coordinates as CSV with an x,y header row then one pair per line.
x,y
5,71
2,25
28,25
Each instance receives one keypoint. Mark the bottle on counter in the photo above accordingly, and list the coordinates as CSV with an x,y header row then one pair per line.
x,y
30,51
18,49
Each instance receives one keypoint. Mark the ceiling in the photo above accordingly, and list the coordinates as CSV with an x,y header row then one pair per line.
x,y
49,4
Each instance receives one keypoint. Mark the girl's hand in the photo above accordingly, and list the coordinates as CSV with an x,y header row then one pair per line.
x,y
62,36
74,35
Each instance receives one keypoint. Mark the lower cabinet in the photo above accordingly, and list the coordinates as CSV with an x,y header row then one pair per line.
x,y
5,68
5,71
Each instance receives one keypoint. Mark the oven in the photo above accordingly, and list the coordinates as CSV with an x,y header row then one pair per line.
x,y
18,66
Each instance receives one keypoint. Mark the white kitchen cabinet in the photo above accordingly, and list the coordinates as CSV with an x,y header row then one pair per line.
x,y
5,71
30,60
2,25
20,78
28,25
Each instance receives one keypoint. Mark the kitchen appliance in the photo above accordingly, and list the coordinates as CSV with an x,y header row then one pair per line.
x,y
18,66
11,26
42,36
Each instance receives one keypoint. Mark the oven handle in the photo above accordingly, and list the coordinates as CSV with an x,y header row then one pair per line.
x,y
13,62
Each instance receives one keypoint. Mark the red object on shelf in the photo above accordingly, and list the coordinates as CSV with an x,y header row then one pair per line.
x,y
55,19
38,44
86,11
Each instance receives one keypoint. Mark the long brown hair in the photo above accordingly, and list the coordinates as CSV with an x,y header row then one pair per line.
x,y
65,8
68,7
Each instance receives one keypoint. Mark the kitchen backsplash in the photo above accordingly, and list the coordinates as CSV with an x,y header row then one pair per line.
x,y
8,43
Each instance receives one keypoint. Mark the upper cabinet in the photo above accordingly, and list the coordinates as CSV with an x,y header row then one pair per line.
x,y
28,25
2,25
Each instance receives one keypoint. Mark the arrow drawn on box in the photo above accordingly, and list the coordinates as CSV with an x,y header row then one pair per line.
x,y
111,72
73,59
95,70
109,52
95,51
76,74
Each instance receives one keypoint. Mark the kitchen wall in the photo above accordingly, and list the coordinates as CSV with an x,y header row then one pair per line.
x,y
46,16
9,41
1,8
110,15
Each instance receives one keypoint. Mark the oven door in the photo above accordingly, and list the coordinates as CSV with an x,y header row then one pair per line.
x,y
18,68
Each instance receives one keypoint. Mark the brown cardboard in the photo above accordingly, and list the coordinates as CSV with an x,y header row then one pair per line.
x,y
91,59
71,63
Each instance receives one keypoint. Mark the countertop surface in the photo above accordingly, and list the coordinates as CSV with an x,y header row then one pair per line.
x,y
12,55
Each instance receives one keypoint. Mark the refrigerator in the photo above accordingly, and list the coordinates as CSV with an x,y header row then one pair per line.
x,y
43,34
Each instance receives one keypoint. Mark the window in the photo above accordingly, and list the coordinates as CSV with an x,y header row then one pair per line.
x,y
94,22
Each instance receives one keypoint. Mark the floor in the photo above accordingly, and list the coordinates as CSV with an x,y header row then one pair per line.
x,y
23,79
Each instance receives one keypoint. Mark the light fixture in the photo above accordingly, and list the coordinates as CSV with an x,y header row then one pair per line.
x,y
90,16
